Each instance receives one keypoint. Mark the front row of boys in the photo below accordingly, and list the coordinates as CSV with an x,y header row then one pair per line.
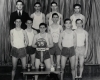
x,y
72,44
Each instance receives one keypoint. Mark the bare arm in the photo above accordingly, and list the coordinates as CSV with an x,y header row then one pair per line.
x,y
11,38
61,20
49,30
60,41
34,42
83,22
26,38
86,36
47,19
43,17
61,29
50,41
75,39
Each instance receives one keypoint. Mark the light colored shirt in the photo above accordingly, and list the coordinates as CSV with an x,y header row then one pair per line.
x,y
18,38
74,18
30,37
68,39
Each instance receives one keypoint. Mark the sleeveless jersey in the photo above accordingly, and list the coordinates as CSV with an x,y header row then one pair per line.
x,y
68,40
18,38
42,42
55,33
74,18
37,20
80,38
30,36
50,18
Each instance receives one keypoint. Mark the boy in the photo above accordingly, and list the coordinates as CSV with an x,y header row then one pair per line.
x,y
38,17
77,15
43,36
67,44
82,46
54,8
30,50
19,41
55,29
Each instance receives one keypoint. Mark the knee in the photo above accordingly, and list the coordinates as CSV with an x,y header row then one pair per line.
x,y
14,69
81,65
73,68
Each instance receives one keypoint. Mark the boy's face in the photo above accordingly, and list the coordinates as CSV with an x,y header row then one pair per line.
x,y
29,23
19,6
18,22
77,9
37,7
79,24
54,7
68,24
55,18
42,29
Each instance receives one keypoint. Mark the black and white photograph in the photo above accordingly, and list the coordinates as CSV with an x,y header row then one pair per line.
x,y
49,39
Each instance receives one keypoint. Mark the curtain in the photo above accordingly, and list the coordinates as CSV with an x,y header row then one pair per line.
x,y
90,9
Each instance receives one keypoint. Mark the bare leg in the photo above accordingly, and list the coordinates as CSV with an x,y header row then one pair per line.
x,y
48,64
52,60
58,61
27,58
76,64
14,63
23,60
37,63
72,62
33,60
81,62
63,63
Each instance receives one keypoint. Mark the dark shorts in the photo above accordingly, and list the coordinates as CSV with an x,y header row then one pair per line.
x,y
46,55
30,50
55,49
36,30
18,53
68,52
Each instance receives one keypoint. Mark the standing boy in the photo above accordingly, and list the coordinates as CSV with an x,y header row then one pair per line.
x,y
19,41
77,15
55,29
82,46
67,44
38,17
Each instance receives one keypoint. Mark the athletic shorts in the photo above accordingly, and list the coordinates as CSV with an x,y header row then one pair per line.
x,y
30,50
80,50
68,52
55,49
18,53
36,30
46,55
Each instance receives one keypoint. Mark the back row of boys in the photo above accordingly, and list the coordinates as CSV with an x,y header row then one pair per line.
x,y
60,42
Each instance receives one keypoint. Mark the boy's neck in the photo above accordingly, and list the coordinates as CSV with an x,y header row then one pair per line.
x,y
37,12
18,28
77,13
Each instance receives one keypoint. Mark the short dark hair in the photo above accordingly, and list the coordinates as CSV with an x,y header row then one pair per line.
x,y
20,1
54,14
43,24
30,19
67,19
37,3
53,3
79,20
18,18
76,5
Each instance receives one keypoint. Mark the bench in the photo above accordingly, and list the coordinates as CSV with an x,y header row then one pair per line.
x,y
35,72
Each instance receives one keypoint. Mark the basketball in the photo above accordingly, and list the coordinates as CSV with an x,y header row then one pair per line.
x,y
41,43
